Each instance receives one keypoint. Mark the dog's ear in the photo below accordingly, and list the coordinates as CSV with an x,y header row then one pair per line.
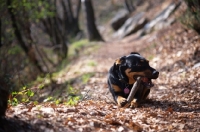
x,y
120,61
119,66
135,53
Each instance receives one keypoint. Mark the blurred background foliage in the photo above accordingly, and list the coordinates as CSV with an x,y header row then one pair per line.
x,y
34,37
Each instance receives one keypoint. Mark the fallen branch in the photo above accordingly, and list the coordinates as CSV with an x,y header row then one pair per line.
x,y
133,91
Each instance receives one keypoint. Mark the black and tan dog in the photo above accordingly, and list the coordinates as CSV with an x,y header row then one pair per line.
x,y
123,74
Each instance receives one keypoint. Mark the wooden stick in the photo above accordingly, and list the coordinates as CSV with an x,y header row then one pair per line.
x,y
133,91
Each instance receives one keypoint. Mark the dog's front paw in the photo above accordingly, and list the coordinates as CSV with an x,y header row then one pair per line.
x,y
121,101
134,103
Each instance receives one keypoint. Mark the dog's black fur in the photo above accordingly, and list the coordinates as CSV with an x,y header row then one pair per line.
x,y
123,74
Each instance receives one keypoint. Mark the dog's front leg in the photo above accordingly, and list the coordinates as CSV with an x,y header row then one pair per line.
x,y
134,103
121,101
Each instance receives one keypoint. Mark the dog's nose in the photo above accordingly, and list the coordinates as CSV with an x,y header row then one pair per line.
x,y
155,73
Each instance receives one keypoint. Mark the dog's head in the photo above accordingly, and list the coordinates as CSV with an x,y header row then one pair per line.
x,y
132,66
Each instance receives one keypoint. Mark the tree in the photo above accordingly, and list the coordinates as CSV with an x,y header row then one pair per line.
x,y
4,93
92,31
55,27
37,28
0,34
62,25
71,19
28,48
129,5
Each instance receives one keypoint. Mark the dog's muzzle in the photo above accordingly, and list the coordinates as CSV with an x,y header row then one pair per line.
x,y
146,80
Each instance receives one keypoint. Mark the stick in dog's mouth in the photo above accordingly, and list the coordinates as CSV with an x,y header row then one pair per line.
x,y
139,81
134,89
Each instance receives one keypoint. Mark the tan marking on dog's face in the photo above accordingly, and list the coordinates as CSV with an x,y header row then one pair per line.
x,y
130,75
118,61
116,88
144,60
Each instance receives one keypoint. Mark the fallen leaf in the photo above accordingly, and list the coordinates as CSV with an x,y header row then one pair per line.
x,y
135,126
170,110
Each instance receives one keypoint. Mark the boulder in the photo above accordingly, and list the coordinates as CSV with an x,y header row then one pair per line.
x,y
119,19
132,25
160,20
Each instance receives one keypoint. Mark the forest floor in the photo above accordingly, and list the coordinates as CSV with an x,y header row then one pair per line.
x,y
173,103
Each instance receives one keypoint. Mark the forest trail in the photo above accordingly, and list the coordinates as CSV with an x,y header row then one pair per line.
x,y
173,103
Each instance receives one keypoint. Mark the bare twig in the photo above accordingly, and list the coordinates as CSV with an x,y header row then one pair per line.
x,y
85,95
133,91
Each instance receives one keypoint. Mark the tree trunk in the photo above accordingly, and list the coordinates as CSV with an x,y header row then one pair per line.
x,y
129,5
27,49
76,18
69,11
71,20
0,34
4,93
93,33
78,10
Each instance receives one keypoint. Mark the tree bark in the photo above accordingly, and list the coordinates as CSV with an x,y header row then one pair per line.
x,y
4,93
71,20
78,10
70,12
92,32
0,35
27,49
129,5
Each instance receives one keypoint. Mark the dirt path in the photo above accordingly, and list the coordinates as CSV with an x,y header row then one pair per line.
x,y
173,104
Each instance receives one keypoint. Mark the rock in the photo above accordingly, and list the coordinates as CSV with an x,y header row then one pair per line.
x,y
132,25
164,23
119,19
120,129
160,20
196,65
47,110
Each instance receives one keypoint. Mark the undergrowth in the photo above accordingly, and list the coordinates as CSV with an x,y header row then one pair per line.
x,y
30,92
